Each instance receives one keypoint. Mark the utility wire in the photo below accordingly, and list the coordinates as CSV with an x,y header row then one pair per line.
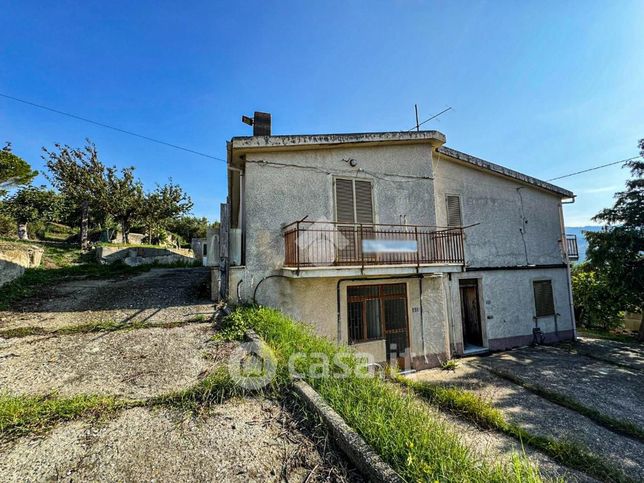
x,y
594,168
429,119
74,116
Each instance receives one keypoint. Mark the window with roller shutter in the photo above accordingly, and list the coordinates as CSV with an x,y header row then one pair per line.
x,y
454,216
544,304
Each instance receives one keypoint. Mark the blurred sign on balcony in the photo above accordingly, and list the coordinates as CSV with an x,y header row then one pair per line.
x,y
389,246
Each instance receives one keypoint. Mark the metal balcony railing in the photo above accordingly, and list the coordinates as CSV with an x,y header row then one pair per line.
x,y
572,248
323,244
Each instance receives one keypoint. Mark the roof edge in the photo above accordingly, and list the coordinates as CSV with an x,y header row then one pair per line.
x,y
503,171
435,138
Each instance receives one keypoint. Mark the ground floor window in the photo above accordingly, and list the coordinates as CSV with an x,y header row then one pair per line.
x,y
378,312
544,304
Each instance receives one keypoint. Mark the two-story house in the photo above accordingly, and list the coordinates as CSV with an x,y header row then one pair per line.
x,y
396,244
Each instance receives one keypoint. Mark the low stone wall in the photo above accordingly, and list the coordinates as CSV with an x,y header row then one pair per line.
x,y
15,258
143,255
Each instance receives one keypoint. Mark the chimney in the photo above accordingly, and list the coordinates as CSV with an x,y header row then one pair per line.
x,y
262,124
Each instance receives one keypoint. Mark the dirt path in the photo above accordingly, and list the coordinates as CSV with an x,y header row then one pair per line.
x,y
240,440
541,417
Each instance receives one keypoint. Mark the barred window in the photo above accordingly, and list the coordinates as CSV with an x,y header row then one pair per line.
x,y
544,304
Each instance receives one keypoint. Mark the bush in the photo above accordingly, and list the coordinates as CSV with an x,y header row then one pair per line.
x,y
596,303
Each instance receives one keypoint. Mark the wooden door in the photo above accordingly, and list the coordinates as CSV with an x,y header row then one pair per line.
x,y
470,312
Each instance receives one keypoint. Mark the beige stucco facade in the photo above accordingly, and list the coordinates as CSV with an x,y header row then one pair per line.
x,y
512,236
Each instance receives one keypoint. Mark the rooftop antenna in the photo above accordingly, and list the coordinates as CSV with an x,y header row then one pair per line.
x,y
417,126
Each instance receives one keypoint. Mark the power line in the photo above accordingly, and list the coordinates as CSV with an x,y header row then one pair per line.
x,y
416,126
101,124
594,168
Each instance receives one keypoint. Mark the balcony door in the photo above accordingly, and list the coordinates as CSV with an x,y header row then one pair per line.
x,y
354,216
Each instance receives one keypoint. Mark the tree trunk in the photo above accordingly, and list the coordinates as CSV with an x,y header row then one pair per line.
x,y
23,234
126,232
84,233
640,335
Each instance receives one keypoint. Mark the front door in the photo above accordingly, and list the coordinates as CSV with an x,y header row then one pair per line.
x,y
472,332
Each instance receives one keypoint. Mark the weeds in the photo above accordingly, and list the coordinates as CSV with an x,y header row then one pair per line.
x,y
616,425
91,327
23,414
449,365
473,408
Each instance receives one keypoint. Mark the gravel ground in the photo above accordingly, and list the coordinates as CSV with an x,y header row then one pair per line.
x,y
241,440
134,364
160,295
615,391
542,417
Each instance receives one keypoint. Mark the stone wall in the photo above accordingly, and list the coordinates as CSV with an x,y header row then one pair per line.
x,y
15,258
143,255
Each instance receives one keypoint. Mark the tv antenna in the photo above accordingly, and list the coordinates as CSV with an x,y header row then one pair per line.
x,y
418,124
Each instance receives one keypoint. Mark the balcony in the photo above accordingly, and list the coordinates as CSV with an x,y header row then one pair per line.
x,y
571,247
335,246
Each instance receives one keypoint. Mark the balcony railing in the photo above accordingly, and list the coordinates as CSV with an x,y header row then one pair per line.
x,y
323,244
572,248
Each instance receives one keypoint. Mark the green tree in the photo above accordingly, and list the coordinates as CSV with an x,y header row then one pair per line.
x,y
124,198
616,252
32,204
163,205
14,171
189,227
80,176
595,303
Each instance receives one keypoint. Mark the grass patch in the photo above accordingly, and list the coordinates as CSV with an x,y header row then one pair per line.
x,y
473,408
600,334
616,425
396,425
215,388
24,414
108,326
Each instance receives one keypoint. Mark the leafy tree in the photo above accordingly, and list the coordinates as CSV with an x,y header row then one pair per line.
x,y
80,176
595,304
32,204
14,171
189,227
161,206
617,251
124,198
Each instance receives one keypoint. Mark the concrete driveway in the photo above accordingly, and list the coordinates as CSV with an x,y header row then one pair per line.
x,y
608,379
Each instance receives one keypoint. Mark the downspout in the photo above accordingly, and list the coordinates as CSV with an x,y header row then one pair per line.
x,y
568,272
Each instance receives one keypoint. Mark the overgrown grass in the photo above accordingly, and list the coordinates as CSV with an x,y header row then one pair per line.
x,y
397,426
473,408
24,414
619,426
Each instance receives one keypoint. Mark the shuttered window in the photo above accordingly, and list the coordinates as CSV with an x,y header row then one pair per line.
x,y
353,201
544,304
454,217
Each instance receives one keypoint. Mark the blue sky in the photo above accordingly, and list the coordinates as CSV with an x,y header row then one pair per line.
x,y
544,88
